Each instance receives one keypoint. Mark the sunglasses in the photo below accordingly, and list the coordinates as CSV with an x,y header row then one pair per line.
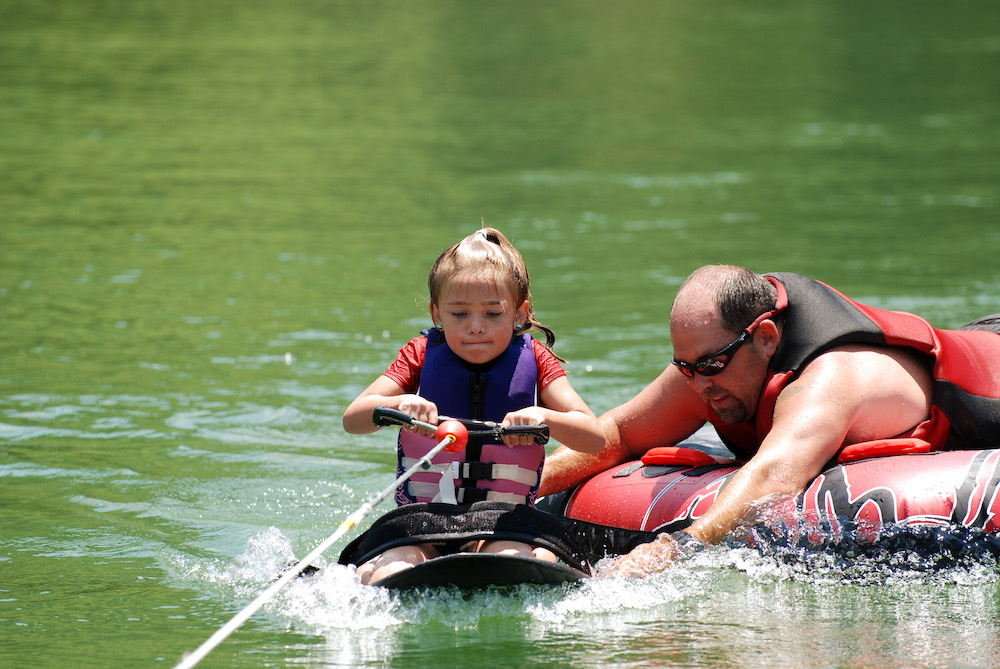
x,y
713,364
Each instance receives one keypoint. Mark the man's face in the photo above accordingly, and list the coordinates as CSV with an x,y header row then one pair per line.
x,y
733,393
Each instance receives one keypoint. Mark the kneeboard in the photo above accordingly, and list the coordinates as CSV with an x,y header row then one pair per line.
x,y
481,570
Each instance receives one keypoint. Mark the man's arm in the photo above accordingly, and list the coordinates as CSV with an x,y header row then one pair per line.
x,y
844,396
663,413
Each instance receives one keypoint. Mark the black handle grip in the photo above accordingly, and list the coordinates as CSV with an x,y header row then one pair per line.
x,y
383,416
539,432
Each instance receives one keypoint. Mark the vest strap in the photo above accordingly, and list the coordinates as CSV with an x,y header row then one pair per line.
x,y
480,471
464,495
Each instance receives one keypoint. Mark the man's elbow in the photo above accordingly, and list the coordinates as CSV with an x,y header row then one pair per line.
x,y
592,443
778,476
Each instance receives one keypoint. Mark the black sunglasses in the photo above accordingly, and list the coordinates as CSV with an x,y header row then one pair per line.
x,y
711,365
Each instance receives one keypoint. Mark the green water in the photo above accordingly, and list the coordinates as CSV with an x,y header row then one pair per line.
x,y
216,221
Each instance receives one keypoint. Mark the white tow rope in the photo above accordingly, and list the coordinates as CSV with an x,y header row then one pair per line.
x,y
453,433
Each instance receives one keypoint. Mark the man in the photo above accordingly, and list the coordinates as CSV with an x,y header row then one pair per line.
x,y
790,371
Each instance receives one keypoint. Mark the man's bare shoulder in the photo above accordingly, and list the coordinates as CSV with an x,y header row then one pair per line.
x,y
880,391
866,365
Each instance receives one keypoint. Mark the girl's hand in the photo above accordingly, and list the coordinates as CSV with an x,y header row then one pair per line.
x,y
526,416
420,409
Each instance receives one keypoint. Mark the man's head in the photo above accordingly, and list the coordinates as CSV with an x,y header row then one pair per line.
x,y
724,337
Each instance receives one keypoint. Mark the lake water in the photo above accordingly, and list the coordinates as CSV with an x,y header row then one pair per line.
x,y
216,221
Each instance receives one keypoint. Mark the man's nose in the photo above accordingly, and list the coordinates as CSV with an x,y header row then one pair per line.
x,y
701,382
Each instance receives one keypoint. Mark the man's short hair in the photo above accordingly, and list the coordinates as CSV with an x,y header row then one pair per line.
x,y
743,296
989,323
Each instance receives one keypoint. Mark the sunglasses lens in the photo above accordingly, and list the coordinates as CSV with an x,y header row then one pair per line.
x,y
712,370
704,368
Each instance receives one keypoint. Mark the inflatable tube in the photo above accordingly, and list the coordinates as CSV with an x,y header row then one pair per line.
x,y
671,488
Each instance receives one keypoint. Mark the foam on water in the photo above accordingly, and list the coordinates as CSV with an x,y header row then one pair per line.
x,y
357,625
333,600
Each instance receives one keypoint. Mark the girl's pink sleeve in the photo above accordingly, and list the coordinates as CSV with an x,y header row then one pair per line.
x,y
405,370
549,368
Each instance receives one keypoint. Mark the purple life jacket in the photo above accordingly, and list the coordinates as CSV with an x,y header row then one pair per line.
x,y
484,469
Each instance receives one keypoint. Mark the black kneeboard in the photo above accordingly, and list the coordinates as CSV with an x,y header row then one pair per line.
x,y
481,570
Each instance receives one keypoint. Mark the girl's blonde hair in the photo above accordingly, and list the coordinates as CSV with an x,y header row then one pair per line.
x,y
487,254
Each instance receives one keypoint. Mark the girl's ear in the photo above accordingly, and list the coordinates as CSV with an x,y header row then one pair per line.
x,y
435,314
521,316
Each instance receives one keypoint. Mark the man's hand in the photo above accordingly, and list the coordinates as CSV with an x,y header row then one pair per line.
x,y
649,558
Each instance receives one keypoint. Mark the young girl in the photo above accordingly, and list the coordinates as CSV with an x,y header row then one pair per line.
x,y
477,362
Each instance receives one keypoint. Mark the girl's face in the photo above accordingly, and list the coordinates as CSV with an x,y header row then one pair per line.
x,y
478,318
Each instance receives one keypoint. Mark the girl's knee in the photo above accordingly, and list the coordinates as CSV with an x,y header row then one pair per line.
x,y
520,548
395,560
544,554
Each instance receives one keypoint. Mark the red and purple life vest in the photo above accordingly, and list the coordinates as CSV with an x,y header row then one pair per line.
x,y
484,469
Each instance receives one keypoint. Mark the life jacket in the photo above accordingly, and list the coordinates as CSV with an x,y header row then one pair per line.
x,y
965,365
485,469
